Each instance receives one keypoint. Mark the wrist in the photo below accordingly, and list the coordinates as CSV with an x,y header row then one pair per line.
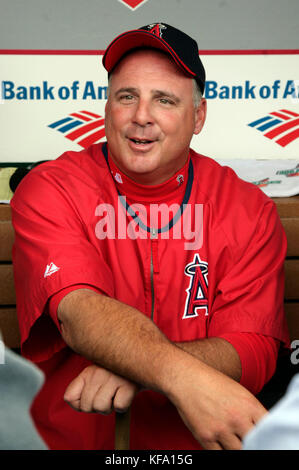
x,y
178,368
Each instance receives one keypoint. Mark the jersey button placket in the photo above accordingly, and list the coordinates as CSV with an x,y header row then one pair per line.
x,y
155,269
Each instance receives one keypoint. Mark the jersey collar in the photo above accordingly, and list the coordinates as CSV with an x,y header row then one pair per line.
x,y
172,190
187,191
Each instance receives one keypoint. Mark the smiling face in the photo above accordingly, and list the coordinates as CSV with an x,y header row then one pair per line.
x,y
150,117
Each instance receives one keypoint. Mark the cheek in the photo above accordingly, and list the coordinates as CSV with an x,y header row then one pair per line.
x,y
179,127
115,119
170,123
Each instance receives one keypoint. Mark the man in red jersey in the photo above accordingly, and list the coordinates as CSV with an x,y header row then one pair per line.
x,y
181,316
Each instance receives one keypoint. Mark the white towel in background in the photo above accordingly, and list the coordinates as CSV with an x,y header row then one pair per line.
x,y
276,178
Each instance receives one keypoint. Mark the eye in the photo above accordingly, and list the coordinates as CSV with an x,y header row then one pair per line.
x,y
166,101
126,97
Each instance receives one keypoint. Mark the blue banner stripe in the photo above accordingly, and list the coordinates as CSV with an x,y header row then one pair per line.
x,y
58,123
259,121
69,126
269,124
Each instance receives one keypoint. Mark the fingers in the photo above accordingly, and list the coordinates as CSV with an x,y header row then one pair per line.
x,y
72,395
215,440
229,442
103,399
117,394
124,397
80,392
230,438
97,390
211,445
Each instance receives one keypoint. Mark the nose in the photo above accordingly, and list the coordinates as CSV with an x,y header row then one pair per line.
x,y
142,115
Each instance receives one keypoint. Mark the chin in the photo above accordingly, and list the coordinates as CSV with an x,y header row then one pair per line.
x,y
142,164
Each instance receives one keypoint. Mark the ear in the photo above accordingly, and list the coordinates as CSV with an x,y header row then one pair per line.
x,y
200,116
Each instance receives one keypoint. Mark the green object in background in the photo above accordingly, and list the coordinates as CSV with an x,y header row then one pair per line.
x,y
5,191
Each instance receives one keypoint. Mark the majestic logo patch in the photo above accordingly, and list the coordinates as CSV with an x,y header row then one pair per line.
x,y
197,292
280,126
133,4
51,269
84,128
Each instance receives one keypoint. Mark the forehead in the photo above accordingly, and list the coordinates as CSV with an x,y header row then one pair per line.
x,y
149,62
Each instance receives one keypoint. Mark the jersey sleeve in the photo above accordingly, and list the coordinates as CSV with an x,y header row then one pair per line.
x,y
51,252
250,295
258,356
55,300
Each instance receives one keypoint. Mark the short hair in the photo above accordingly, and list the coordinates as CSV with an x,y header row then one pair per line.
x,y
197,94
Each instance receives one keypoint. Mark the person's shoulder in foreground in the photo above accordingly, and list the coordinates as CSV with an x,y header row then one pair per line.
x,y
20,382
279,429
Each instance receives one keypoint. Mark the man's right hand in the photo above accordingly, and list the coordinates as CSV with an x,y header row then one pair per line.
x,y
97,390
217,410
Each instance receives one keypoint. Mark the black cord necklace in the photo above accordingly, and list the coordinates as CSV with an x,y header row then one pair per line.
x,y
153,231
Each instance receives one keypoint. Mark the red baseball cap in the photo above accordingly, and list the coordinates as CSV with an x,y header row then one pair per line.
x,y
181,47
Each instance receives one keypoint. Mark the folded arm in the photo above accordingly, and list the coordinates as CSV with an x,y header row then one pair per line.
x,y
120,339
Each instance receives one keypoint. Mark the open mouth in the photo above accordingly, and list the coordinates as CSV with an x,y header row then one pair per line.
x,y
141,141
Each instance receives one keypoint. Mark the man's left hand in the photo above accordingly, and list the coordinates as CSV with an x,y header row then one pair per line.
x,y
97,390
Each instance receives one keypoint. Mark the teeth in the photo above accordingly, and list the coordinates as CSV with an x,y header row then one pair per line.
x,y
141,141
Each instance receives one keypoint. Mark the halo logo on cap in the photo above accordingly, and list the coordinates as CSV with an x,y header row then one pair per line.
x,y
157,29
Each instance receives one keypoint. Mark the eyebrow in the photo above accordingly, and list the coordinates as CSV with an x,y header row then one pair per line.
x,y
168,94
156,93
126,90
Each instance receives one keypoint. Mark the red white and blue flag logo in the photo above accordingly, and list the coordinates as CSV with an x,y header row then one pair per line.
x,y
83,127
280,126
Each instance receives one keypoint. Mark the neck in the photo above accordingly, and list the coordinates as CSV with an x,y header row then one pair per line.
x,y
173,187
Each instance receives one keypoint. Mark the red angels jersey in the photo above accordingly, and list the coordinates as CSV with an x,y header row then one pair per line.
x,y
214,266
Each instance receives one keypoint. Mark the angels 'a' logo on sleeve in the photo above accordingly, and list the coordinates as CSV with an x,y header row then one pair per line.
x,y
197,292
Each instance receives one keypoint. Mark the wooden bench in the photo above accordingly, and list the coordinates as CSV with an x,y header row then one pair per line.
x,y
288,209
8,316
